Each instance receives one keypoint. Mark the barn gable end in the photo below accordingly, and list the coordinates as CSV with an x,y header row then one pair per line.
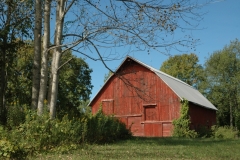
x,y
145,100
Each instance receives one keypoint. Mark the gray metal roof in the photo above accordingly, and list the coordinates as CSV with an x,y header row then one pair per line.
x,y
182,89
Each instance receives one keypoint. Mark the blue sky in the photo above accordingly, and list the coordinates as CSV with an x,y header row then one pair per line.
x,y
220,25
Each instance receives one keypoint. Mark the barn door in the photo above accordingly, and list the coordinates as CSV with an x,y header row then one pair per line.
x,y
107,106
151,128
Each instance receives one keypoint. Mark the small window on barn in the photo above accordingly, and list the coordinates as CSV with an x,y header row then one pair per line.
x,y
107,106
150,112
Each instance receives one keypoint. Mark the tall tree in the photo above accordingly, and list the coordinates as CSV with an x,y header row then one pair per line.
x,y
74,81
44,64
90,27
15,25
37,53
20,76
184,67
74,84
223,88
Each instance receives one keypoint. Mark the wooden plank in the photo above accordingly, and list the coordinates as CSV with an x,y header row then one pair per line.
x,y
166,129
136,127
152,130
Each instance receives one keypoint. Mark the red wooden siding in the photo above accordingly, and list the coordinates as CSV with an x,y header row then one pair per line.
x,y
201,117
141,100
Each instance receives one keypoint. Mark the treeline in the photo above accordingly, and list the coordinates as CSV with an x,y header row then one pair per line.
x,y
218,79
74,82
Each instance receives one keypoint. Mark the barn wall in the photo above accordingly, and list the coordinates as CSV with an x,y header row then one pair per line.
x,y
201,117
140,99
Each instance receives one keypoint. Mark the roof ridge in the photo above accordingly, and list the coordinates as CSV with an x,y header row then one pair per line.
x,y
161,72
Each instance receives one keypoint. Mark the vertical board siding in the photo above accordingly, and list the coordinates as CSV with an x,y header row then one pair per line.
x,y
142,101
201,117
167,128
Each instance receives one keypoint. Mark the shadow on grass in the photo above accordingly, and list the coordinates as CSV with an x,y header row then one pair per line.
x,y
172,141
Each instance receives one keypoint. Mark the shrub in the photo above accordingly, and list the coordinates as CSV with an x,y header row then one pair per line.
x,y
101,128
181,125
204,132
40,134
15,116
10,150
224,132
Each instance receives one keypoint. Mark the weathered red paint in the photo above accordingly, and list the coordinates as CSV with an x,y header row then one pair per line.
x,y
140,99
200,117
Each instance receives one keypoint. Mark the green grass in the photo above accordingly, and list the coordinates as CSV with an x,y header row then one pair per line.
x,y
155,148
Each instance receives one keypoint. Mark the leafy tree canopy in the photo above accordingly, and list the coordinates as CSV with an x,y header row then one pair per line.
x,y
184,67
222,85
74,80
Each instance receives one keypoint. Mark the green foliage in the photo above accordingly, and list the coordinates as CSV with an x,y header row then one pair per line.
x,y
15,116
204,132
74,85
74,81
20,76
181,125
101,128
106,76
83,108
40,134
224,132
9,149
222,87
184,67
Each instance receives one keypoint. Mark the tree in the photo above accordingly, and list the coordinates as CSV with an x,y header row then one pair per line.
x,y
37,53
89,27
20,76
223,90
74,81
106,76
15,25
184,67
74,85
44,62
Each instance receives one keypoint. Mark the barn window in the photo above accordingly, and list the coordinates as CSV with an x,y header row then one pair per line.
x,y
150,112
107,106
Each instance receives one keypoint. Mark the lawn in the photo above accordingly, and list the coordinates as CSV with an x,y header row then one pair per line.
x,y
155,148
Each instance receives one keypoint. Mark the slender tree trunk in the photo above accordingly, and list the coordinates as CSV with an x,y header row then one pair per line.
x,y
2,85
37,53
231,114
56,56
44,66
3,70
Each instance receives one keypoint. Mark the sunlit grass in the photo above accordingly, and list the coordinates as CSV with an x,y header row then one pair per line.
x,y
155,148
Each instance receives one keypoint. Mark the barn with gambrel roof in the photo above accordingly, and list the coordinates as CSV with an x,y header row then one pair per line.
x,y
148,100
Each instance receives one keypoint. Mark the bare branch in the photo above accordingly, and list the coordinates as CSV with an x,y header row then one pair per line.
x,y
64,63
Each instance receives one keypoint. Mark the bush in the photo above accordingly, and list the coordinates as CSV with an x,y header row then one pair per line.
x,y
15,116
101,128
181,125
10,150
224,132
204,132
40,134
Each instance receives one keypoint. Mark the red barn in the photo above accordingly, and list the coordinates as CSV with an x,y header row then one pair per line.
x,y
148,100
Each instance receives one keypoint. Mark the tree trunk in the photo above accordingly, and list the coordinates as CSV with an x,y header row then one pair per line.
x,y
44,66
3,85
3,79
56,57
37,53
231,115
